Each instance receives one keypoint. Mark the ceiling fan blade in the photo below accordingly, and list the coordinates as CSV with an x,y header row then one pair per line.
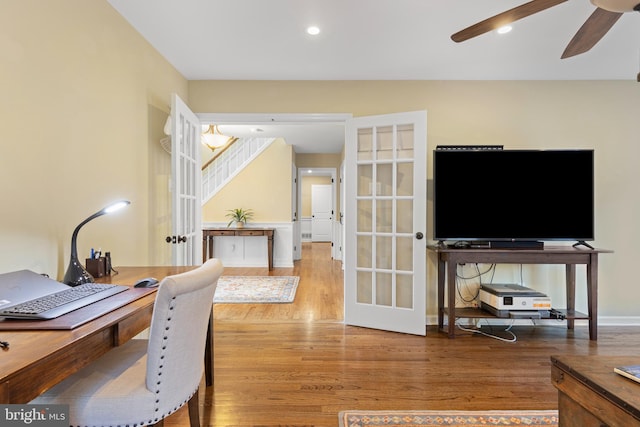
x,y
595,27
504,18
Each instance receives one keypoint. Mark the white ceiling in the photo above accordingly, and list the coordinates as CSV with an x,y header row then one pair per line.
x,y
305,138
376,40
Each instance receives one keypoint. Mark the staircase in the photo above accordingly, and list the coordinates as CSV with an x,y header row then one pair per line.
x,y
229,163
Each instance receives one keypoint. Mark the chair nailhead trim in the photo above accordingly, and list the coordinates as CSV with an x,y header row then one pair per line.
x,y
162,356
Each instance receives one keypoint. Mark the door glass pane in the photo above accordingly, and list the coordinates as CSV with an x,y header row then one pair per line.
x,y
404,142
405,179
364,289
365,144
384,252
404,216
404,291
384,143
364,252
404,249
384,216
384,178
384,289
365,212
365,180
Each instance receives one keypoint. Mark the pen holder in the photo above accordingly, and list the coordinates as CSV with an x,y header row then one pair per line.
x,y
97,267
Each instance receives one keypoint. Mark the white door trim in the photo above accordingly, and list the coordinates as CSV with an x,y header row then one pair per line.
x,y
267,118
332,172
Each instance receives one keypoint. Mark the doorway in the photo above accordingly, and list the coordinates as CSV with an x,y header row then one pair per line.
x,y
323,134
383,211
307,179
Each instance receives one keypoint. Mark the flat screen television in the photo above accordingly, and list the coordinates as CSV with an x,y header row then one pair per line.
x,y
513,196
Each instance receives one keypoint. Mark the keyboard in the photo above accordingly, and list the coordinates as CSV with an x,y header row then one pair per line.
x,y
59,303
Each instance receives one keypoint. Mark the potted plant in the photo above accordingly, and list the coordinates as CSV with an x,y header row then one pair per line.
x,y
239,216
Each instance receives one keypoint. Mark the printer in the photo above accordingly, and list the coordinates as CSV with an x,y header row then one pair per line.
x,y
511,300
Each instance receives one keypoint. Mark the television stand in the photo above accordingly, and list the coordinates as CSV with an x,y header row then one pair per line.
x,y
449,258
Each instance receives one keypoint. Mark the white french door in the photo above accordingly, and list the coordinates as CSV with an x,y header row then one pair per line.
x,y
186,189
385,226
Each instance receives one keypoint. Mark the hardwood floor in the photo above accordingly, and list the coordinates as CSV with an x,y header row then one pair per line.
x,y
299,365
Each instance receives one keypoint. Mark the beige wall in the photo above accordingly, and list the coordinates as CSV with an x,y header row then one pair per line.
x,y
84,98
264,187
518,114
323,160
319,160
307,183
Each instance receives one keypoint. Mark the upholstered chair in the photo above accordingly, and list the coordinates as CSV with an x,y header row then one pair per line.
x,y
143,381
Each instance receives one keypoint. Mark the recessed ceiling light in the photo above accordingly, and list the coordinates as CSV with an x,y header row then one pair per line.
x,y
313,30
505,29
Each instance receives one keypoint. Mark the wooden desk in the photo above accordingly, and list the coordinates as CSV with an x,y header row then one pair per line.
x,y
209,233
449,258
591,394
38,359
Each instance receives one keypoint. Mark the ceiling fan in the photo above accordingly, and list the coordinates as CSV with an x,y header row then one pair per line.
x,y
596,26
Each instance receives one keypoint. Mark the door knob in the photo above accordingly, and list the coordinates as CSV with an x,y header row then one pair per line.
x,y
175,239
419,235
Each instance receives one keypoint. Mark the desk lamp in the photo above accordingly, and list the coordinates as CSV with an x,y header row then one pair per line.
x,y
76,273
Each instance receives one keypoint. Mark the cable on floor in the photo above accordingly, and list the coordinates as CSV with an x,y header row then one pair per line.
x,y
486,334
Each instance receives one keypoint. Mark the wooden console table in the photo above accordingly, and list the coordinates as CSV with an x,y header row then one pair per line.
x,y
209,233
449,258
591,394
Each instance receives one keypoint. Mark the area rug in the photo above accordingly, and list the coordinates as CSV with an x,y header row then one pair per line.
x,y
448,418
256,289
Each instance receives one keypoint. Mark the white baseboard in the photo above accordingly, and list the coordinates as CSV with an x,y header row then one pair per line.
x,y
619,321
602,321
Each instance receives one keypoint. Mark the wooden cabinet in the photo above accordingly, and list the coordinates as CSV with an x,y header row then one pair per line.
x,y
590,394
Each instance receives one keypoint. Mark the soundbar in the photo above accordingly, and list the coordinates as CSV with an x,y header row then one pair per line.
x,y
518,244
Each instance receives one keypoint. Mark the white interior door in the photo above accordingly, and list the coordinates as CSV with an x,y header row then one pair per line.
x,y
385,226
186,179
321,212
